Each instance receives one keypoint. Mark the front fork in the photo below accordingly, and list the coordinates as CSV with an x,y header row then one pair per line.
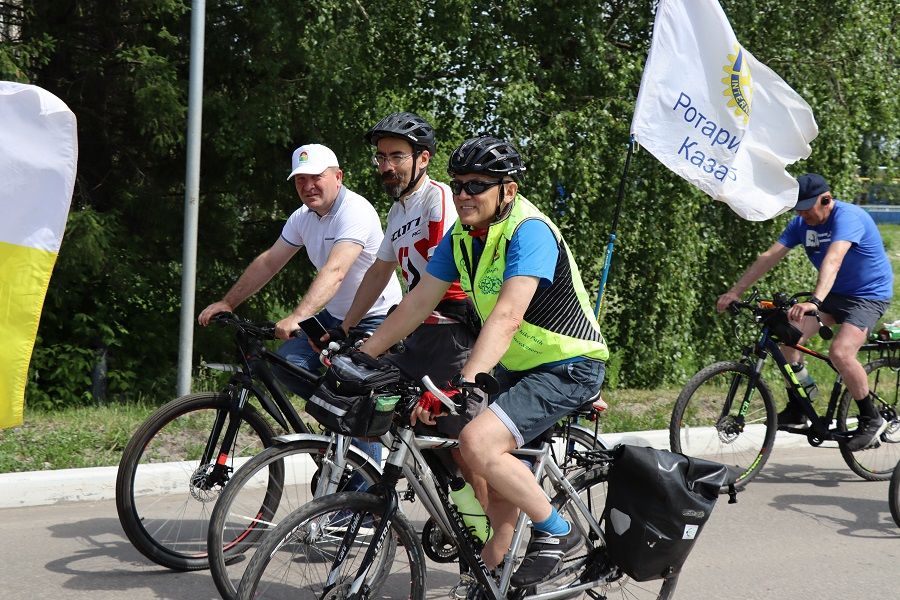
x,y
220,471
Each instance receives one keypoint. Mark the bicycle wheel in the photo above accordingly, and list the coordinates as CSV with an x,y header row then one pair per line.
x,y
569,439
591,564
894,494
297,559
164,496
271,485
705,421
876,462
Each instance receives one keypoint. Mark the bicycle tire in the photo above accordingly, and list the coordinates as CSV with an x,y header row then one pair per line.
x,y
876,463
894,494
584,566
170,527
301,548
233,537
699,428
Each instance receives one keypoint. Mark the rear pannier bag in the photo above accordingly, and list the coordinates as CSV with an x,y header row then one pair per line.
x,y
354,399
656,505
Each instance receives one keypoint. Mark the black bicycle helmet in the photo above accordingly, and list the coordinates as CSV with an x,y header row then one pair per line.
x,y
488,155
405,125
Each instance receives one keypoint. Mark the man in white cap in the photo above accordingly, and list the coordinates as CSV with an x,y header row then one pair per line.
x,y
342,233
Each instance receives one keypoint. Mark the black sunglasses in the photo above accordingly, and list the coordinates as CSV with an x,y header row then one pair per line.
x,y
472,187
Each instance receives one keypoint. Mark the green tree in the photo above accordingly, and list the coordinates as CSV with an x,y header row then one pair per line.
x,y
559,78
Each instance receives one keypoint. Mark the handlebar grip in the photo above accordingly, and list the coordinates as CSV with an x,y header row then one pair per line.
x,y
449,404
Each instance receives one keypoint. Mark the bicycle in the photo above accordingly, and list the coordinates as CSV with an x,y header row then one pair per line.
x,y
726,411
353,543
170,475
236,529
894,494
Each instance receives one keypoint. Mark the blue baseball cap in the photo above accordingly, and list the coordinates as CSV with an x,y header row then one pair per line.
x,y
812,185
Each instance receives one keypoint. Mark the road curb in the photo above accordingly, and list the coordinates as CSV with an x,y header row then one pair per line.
x,y
39,488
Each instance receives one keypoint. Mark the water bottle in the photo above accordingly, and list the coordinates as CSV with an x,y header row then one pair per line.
x,y
890,331
470,509
805,379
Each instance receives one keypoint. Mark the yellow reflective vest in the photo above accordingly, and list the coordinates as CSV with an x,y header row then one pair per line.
x,y
559,323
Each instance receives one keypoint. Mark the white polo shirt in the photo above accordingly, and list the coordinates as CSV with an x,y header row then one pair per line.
x,y
351,219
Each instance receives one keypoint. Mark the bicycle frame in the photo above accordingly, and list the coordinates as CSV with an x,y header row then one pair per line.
x,y
254,360
765,347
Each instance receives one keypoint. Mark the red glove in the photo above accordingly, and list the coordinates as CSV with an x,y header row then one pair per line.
x,y
432,403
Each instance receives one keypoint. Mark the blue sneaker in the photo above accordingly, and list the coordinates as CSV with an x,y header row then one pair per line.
x,y
544,555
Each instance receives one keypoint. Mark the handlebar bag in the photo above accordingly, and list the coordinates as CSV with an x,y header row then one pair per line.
x,y
781,328
656,505
354,399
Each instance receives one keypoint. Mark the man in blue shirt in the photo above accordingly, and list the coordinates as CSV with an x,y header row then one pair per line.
x,y
854,288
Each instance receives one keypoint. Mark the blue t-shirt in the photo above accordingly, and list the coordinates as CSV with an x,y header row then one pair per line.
x,y
865,271
532,251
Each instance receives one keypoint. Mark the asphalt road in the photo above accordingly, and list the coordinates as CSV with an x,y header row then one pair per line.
x,y
808,527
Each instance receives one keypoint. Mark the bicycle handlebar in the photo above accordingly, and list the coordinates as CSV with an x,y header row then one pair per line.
x,y
263,330
780,302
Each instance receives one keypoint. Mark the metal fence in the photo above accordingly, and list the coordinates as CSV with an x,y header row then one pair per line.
x,y
882,213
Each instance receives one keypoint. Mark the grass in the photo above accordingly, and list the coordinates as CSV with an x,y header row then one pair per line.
x,y
71,438
95,436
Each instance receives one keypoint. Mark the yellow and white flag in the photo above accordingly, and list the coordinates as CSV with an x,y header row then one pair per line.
x,y
38,158
713,114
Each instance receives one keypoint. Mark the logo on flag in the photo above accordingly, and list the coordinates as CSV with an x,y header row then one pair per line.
x,y
740,84
709,135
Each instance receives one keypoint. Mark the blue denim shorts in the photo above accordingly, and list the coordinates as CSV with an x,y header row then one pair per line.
x,y
532,401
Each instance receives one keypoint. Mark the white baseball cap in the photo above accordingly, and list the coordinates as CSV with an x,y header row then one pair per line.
x,y
312,159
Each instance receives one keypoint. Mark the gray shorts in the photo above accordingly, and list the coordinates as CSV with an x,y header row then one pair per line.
x,y
862,312
439,351
532,401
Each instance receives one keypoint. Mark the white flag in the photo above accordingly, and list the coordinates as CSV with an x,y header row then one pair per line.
x,y
711,112
38,158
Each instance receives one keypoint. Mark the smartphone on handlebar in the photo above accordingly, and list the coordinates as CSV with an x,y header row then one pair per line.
x,y
313,329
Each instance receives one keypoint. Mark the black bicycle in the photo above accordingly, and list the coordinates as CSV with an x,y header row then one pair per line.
x,y
727,413
894,494
181,458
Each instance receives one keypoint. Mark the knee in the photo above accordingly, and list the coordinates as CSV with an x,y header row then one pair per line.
x,y
841,354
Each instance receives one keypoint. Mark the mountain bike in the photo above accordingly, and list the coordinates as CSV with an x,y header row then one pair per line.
x,y
179,460
360,544
237,526
726,412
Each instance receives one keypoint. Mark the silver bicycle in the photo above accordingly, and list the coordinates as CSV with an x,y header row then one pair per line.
x,y
355,544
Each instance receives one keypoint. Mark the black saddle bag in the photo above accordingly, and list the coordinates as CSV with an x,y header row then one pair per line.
x,y
657,503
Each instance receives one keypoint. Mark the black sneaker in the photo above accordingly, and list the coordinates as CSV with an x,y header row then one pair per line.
x,y
867,431
792,416
544,555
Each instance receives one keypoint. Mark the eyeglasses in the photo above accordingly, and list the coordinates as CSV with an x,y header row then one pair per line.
x,y
395,159
473,187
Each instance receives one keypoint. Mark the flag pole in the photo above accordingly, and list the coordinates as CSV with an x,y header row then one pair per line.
x,y
607,261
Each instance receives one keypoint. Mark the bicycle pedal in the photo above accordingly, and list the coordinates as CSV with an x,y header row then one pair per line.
x,y
460,590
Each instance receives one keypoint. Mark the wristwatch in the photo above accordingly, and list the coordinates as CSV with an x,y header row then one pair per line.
x,y
816,301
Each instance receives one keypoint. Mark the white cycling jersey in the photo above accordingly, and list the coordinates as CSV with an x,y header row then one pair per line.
x,y
415,226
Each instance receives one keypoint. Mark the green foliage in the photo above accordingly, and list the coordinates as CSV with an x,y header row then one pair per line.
x,y
560,78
